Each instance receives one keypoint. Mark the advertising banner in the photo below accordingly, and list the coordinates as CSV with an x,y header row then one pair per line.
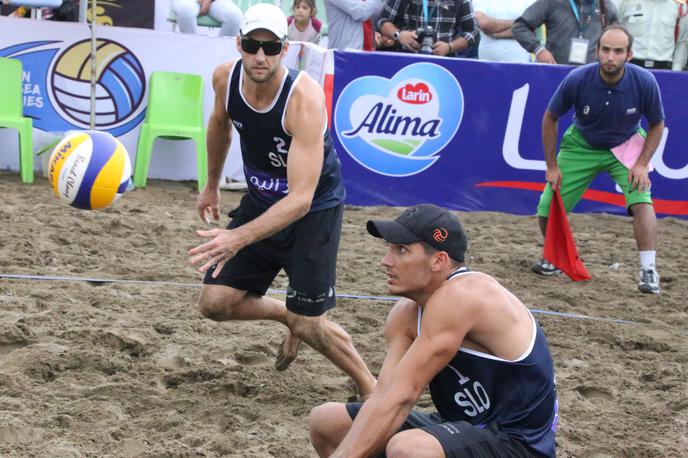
x,y
466,135
123,13
57,84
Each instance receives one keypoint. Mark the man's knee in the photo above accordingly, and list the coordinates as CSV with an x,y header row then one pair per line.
x,y
304,326
218,305
398,447
328,424
407,443
642,210
318,420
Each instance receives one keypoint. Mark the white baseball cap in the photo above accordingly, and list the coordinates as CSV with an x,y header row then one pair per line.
x,y
265,16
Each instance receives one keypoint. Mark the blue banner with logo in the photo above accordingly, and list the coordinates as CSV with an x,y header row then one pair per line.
x,y
465,135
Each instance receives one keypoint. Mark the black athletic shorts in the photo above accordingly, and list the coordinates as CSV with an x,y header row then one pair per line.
x,y
306,250
460,438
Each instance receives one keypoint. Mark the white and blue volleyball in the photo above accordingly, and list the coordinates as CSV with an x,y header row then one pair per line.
x,y
89,169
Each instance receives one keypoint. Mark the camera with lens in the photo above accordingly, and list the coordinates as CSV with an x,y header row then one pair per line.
x,y
426,37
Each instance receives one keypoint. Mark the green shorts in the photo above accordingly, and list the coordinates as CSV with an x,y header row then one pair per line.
x,y
580,163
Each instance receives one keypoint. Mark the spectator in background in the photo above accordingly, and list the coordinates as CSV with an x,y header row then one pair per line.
x,y
573,28
303,25
349,23
660,30
453,25
224,11
494,18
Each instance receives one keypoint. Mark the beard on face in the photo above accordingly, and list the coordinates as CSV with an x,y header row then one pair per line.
x,y
611,72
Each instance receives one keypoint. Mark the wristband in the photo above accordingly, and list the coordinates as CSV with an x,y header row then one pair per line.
x,y
451,48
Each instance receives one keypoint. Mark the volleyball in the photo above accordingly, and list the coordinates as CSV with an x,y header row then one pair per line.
x,y
89,169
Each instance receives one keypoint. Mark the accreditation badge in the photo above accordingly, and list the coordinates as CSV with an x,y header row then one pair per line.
x,y
578,53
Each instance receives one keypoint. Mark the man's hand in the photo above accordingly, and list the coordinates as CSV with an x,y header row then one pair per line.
x,y
545,57
553,177
208,201
219,250
382,41
408,40
440,48
205,7
639,178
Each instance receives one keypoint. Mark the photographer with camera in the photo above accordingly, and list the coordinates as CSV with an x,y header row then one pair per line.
x,y
429,27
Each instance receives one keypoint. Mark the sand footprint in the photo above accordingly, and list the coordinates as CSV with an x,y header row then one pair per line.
x,y
595,392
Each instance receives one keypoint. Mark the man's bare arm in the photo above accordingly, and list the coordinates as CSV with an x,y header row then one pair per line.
x,y
305,120
442,331
218,139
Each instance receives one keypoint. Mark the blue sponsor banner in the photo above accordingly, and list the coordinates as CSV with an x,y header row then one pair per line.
x,y
465,135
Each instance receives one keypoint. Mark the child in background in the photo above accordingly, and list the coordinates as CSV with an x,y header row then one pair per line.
x,y
303,25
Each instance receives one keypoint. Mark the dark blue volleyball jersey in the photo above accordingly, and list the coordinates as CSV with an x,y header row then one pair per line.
x,y
519,397
265,146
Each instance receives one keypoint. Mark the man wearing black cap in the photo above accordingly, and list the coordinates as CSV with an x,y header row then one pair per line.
x,y
483,355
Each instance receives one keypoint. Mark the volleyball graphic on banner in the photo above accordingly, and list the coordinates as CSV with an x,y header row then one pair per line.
x,y
89,169
120,84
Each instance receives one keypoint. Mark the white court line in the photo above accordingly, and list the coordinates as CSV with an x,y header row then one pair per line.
x,y
276,291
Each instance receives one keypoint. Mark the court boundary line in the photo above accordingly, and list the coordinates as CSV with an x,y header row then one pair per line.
x,y
104,281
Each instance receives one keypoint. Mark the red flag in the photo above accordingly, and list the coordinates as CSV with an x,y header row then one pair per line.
x,y
560,249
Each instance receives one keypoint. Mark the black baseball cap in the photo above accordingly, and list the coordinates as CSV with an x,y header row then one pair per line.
x,y
427,223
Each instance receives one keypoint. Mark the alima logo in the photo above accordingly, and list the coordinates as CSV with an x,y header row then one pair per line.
x,y
57,85
440,234
397,127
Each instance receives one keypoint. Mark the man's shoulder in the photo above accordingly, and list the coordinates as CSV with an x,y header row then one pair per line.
x,y
466,288
582,74
640,74
224,69
307,89
585,70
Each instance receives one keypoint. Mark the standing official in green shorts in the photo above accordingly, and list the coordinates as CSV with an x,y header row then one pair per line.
x,y
608,98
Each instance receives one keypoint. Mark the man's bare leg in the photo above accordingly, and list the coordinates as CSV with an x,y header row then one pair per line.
x,y
542,224
328,424
645,227
222,303
334,343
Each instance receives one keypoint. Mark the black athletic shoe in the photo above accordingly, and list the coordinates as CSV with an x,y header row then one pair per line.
x,y
543,267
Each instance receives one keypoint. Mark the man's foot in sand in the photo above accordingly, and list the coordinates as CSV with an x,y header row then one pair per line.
x,y
288,351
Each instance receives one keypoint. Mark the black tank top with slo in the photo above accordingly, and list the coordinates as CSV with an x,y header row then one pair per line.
x,y
265,146
518,396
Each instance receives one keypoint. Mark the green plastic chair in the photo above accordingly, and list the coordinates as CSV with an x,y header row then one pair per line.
x,y
11,113
175,112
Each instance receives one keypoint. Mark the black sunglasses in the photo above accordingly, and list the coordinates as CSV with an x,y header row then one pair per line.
x,y
270,48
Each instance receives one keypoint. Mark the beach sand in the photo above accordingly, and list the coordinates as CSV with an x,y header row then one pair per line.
x,y
133,369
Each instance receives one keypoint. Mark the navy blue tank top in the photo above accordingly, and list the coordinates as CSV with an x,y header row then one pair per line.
x,y
265,145
519,397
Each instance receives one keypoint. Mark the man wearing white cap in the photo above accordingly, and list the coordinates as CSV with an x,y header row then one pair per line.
x,y
291,216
